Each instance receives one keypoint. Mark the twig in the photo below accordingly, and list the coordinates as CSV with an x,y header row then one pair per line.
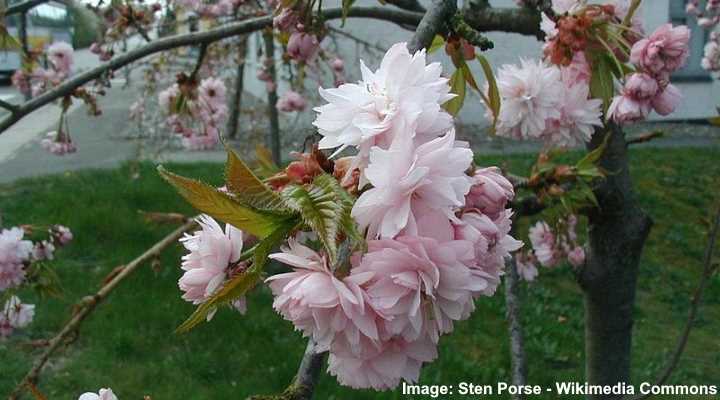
x,y
512,313
708,270
10,107
645,137
88,305
199,62
352,37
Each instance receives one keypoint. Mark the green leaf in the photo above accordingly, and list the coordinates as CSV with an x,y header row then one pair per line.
x,y
601,82
320,208
239,285
468,75
589,160
493,96
242,182
457,86
223,207
437,43
346,4
347,223
8,41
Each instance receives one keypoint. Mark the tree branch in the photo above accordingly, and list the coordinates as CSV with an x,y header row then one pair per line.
x,y
433,22
524,21
88,305
512,313
708,270
10,107
195,38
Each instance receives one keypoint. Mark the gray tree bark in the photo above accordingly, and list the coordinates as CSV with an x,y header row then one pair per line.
x,y
617,233
236,99
272,98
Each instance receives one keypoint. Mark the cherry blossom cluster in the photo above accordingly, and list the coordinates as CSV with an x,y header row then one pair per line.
x,y
17,256
648,88
551,100
550,247
38,79
195,112
58,142
437,237
708,18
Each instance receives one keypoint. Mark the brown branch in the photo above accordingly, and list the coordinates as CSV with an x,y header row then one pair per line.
x,y
88,305
708,270
524,20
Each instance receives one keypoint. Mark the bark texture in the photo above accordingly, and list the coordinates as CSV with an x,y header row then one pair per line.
x,y
518,360
617,233
273,141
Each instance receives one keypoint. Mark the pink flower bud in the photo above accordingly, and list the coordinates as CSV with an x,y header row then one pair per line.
x,y
667,101
291,101
337,65
576,257
303,46
641,87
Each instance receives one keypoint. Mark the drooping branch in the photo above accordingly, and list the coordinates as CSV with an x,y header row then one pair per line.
x,y
708,270
89,304
525,21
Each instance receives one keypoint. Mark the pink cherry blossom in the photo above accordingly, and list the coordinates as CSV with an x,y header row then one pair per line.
x,y
43,250
492,243
625,109
576,256
401,98
526,268
318,303
421,285
211,252
431,176
548,26
667,101
291,101
531,94
303,46
103,394
663,52
544,244
14,252
18,314
641,86
382,366
579,115
167,97
60,55
212,93
490,191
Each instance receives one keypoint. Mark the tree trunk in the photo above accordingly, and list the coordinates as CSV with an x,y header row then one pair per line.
x,y
518,361
274,138
617,233
236,99
22,32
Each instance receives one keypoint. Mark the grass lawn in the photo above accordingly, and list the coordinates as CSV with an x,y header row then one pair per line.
x,y
128,343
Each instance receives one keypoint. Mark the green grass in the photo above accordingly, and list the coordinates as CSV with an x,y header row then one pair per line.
x,y
129,345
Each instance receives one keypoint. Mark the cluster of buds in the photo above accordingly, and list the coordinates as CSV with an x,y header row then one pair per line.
x,y
36,80
550,247
58,142
195,111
